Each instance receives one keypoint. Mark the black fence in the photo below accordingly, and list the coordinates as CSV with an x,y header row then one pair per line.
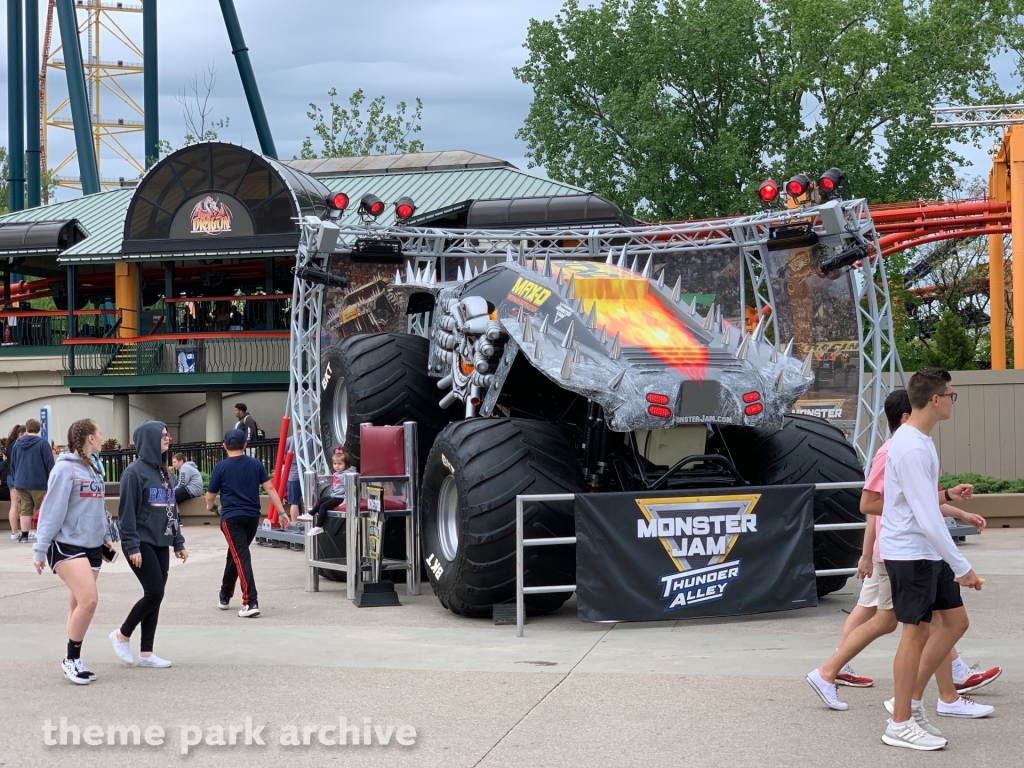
x,y
49,329
205,455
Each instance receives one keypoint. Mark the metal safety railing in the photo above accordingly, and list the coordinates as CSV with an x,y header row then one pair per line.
x,y
521,544
249,351
28,328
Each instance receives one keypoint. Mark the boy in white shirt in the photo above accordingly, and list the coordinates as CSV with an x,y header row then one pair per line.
x,y
873,616
924,566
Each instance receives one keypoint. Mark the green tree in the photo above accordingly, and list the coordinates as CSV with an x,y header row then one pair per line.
x,y
347,132
951,347
47,182
676,108
5,188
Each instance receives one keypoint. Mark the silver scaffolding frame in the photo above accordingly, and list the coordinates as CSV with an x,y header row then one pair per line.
x,y
304,356
633,246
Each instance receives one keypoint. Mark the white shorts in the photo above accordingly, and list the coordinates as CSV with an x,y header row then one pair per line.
x,y
876,591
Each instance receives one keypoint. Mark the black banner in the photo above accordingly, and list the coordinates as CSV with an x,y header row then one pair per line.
x,y
678,555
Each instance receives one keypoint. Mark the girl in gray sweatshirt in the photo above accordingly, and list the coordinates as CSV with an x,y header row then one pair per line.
x,y
150,527
74,535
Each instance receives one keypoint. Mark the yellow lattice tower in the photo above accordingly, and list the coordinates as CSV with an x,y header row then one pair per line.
x,y
110,55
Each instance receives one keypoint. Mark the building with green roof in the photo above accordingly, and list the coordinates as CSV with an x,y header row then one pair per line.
x,y
181,284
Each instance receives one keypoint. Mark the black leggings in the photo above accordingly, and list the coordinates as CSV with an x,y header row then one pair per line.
x,y
152,574
322,507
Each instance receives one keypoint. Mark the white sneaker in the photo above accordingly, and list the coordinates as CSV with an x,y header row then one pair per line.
x,y
911,735
15,535
249,611
826,691
80,666
964,706
31,535
919,716
71,671
153,661
123,651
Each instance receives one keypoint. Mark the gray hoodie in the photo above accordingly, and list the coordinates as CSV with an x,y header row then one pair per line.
x,y
147,510
73,511
190,478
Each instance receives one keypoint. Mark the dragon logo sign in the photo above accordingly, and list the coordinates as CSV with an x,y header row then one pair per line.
x,y
210,216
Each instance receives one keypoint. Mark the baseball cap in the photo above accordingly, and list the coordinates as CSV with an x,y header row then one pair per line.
x,y
234,439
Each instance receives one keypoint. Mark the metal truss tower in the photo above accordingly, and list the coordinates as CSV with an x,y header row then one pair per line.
x,y
848,221
111,55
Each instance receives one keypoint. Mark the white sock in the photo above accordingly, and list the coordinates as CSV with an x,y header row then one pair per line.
x,y
915,704
900,725
960,667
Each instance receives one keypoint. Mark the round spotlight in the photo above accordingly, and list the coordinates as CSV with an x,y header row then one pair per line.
x,y
831,180
768,191
371,205
338,201
798,185
404,208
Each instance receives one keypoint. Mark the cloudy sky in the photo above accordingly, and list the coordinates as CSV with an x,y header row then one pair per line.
x,y
456,55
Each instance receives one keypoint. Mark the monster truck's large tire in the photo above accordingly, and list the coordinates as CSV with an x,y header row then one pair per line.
x,y
468,510
808,450
382,379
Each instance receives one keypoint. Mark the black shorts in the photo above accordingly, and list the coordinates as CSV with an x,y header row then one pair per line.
x,y
920,587
59,552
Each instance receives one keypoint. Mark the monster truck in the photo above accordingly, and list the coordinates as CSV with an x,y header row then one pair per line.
x,y
575,376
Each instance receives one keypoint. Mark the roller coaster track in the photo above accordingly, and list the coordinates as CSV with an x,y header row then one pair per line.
x,y
906,225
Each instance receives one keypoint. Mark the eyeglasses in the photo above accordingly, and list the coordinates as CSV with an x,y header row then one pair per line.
x,y
950,395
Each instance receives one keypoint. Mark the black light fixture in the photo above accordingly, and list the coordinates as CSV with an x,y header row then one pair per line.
x,y
768,191
404,208
846,258
798,186
831,180
338,202
371,205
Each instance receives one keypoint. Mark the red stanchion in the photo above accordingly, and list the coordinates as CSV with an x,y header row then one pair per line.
x,y
281,488
282,441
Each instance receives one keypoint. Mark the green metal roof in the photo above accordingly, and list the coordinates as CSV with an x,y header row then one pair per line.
x,y
101,216
434,191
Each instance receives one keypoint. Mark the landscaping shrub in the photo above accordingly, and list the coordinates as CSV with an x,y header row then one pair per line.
x,y
983,483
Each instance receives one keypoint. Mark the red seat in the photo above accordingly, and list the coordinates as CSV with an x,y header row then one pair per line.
x,y
382,454
381,451
385,461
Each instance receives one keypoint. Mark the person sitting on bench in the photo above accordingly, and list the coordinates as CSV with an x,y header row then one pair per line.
x,y
190,482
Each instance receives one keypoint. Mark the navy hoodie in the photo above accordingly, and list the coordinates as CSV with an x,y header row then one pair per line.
x,y
31,460
147,510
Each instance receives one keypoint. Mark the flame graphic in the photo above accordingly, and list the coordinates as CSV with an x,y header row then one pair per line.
x,y
211,217
627,308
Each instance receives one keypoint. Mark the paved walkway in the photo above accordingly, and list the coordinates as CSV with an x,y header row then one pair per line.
x,y
722,691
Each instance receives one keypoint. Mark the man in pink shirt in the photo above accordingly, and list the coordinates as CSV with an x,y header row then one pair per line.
x,y
873,615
